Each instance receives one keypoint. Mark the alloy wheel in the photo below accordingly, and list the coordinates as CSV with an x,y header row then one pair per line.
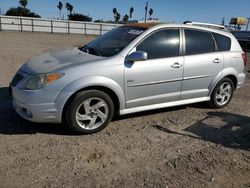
x,y
92,113
223,93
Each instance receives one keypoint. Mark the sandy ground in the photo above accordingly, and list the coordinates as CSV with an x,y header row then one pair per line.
x,y
187,146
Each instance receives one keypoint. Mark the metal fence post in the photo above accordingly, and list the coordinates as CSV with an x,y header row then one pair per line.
x,y
85,28
68,28
0,23
32,25
51,26
100,29
21,24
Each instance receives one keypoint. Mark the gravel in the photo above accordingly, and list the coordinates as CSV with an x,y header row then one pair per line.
x,y
187,146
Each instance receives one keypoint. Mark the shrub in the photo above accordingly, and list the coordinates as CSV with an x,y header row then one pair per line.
x,y
79,17
20,11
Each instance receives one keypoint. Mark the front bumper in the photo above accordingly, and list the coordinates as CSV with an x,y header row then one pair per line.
x,y
36,106
40,113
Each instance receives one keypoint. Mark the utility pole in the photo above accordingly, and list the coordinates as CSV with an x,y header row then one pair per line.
x,y
248,19
223,21
146,12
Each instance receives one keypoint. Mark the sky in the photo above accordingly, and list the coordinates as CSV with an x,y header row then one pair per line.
x,y
177,11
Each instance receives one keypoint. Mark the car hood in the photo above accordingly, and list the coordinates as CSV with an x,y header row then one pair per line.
x,y
54,61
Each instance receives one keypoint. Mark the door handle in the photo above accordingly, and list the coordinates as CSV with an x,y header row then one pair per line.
x,y
176,65
217,60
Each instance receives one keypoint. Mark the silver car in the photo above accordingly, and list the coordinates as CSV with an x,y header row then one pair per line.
x,y
133,68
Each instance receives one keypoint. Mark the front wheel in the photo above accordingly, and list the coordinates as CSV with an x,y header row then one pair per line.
x,y
223,93
90,112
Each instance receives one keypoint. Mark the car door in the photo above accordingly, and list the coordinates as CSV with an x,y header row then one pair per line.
x,y
159,78
202,63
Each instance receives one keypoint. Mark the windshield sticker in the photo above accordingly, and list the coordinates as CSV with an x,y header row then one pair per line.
x,y
135,32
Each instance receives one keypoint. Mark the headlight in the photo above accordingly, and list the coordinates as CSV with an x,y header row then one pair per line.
x,y
41,80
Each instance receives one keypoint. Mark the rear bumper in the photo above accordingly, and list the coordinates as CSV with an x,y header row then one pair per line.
x,y
241,80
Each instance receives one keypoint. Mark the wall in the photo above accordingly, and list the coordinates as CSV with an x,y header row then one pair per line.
x,y
22,24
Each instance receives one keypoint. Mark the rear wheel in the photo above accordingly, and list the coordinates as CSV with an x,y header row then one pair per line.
x,y
222,93
90,112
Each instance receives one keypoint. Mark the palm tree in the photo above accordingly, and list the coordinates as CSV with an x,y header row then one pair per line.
x,y
151,11
69,8
131,10
67,5
60,6
117,17
23,3
146,12
114,12
125,18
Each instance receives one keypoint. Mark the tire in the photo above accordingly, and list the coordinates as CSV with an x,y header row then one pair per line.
x,y
89,112
222,93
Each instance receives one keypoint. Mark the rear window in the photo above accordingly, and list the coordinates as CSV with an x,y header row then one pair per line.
x,y
223,42
198,42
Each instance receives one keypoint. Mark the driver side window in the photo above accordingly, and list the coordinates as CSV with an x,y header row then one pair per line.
x,y
162,44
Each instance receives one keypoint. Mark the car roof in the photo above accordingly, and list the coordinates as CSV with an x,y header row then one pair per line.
x,y
149,25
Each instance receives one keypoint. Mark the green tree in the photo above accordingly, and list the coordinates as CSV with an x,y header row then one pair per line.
x,y
114,12
151,11
131,10
117,17
125,18
20,11
60,6
23,3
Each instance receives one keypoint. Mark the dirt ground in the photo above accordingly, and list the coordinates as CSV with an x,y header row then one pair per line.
x,y
187,146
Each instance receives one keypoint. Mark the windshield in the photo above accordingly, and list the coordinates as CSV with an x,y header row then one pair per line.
x,y
112,42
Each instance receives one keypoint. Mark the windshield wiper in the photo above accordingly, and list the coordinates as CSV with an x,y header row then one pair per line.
x,y
84,49
90,50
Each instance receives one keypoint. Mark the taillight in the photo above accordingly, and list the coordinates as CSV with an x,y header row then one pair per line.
x,y
244,57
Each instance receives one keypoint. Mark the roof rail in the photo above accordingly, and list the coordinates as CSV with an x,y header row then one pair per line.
x,y
215,26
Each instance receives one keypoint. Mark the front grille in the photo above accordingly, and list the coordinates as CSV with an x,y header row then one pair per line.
x,y
17,78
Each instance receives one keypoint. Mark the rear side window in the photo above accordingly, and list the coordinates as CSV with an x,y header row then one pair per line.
x,y
161,44
223,42
198,42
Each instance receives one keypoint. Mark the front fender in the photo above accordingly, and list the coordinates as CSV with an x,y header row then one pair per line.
x,y
88,81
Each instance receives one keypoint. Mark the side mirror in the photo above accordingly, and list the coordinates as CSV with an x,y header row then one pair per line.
x,y
137,56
